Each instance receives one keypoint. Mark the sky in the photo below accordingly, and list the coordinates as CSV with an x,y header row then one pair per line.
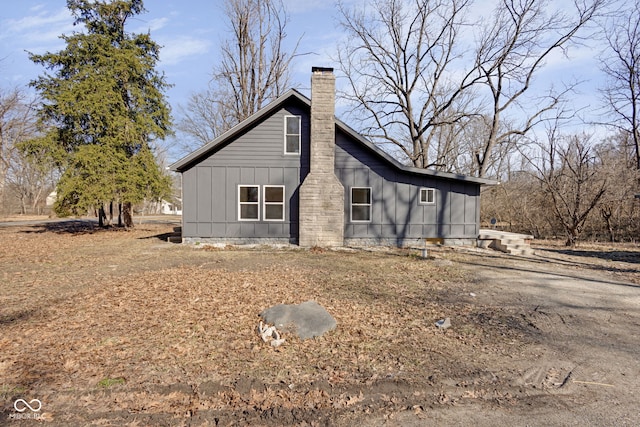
x,y
190,32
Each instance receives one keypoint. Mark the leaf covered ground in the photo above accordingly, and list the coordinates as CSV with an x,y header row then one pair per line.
x,y
116,327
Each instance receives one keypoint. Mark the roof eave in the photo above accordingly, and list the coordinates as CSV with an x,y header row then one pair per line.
x,y
420,171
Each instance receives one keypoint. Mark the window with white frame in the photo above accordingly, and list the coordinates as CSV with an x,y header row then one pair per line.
x,y
427,196
248,202
292,131
273,200
360,204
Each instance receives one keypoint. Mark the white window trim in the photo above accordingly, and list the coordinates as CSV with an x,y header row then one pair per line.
x,y
265,203
299,135
427,189
370,204
248,203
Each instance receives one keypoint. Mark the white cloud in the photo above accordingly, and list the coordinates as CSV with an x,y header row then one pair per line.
x,y
179,48
152,25
42,29
36,7
39,22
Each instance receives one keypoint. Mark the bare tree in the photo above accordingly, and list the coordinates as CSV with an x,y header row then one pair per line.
x,y
29,181
204,118
572,179
511,51
405,68
255,66
518,204
617,159
17,124
547,198
253,71
622,65
399,60
471,141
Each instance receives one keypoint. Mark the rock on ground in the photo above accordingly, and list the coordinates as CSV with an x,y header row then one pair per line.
x,y
307,320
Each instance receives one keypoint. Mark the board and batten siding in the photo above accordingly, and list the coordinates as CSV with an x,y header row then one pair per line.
x,y
254,158
397,216
257,157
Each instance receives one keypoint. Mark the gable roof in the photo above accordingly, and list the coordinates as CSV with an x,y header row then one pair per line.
x,y
204,151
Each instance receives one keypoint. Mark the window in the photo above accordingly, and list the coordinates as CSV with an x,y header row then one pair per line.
x,y
427,196
273,203
360,204
292,135
249,202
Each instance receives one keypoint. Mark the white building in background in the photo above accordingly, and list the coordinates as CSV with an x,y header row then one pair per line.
x,y
51,199
167,208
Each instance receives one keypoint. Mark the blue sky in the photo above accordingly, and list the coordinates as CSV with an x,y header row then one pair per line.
x,y
190,32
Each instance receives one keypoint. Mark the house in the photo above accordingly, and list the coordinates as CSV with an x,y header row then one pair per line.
x,y
51,199
293,173
168,208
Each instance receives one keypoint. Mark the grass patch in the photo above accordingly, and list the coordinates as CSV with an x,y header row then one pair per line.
x,y
110,382
9,391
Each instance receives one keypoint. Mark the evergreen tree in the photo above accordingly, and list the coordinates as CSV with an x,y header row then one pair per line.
x,y
104,105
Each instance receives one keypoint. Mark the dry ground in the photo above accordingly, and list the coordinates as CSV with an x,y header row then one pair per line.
x,y
122,328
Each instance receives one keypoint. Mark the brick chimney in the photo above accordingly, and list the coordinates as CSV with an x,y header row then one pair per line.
x,y
321,194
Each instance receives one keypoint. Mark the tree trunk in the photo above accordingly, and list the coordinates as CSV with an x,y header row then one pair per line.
x,y
606,215
36,200
572,237
571,241
3,178
490,143
127,215
637,144
101,216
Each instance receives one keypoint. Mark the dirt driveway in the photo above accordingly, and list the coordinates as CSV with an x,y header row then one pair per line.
x,y
583,365
123,328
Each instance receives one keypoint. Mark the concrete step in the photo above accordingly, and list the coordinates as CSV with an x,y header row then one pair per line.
x,y
507,244
511,243
523,252
503,235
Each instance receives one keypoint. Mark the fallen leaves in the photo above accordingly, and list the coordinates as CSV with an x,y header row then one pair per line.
x,y
87,309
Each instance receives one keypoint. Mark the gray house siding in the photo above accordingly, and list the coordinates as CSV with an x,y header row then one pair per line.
x,y
252,153
397,217
255,158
